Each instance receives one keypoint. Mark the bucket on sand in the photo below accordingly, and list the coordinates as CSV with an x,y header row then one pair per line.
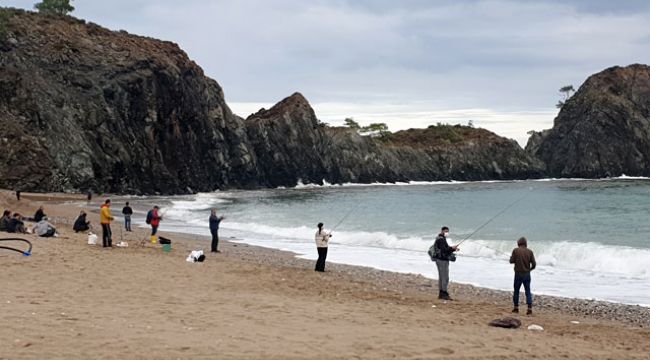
x,y
167,247
154,239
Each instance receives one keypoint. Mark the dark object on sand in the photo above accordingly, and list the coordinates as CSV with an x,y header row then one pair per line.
x,y
163,241
506,322
201,258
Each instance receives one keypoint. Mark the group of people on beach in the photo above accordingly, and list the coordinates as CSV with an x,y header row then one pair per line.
x,y
15,223
522,257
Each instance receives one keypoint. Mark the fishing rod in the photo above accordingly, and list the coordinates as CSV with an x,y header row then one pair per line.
x,y
25,253
492,218
345,216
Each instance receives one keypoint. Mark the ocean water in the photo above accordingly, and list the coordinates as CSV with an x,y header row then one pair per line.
x,y
591,238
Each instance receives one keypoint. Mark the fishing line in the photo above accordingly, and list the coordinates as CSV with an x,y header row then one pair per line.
x,y
25,253
346,216
493,217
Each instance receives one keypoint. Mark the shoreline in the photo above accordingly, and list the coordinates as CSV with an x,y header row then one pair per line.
x,y
632,314
255,302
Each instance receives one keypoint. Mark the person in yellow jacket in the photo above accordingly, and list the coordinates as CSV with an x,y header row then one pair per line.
x,y
105,219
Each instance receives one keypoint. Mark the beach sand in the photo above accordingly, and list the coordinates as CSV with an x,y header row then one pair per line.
x,y
70,300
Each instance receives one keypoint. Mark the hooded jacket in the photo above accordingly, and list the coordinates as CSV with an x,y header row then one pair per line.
x,y
105,216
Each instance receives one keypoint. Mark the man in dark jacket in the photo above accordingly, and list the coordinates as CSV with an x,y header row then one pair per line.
x,y
214,229
16,225
524,261
443,251
127,212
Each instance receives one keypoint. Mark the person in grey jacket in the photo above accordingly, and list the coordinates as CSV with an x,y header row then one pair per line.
x,y
444,251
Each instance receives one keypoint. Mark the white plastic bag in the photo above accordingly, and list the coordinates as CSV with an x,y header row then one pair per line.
x,y
92,239
194,255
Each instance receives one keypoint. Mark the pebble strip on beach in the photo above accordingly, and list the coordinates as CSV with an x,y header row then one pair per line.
x,y
406,284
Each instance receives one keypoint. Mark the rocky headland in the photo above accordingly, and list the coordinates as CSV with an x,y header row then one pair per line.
x,y
603,130
85,108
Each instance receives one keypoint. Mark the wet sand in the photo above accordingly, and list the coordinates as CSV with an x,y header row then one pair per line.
x,y
70,300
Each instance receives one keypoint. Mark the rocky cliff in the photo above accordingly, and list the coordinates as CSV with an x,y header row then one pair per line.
x,y
603,129
82,107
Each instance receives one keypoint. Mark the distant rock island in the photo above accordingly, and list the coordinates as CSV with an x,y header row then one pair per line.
x,y
85,108
603,130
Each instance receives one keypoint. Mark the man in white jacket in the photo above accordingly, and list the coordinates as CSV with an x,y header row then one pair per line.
x,y
322,238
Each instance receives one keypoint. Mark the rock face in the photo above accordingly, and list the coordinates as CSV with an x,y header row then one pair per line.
x,y
603,130
82,107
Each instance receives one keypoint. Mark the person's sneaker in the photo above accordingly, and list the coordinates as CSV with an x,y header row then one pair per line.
x,y
515,310
529,311
441,295
446,296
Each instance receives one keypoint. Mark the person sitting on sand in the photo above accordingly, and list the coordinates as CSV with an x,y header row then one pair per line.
x,y
81,224
16,225
322,239
524,261
4,221
43,228
39,215
442,262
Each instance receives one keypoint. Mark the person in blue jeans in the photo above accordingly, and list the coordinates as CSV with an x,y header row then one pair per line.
x,y
524,261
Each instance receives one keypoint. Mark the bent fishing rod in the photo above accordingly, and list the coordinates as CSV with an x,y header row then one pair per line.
x,y
25,253
492,218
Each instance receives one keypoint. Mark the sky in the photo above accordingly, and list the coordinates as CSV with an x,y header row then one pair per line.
x,y
409,63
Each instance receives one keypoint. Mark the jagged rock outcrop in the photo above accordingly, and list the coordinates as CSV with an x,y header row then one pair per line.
x,y
82,107
603,129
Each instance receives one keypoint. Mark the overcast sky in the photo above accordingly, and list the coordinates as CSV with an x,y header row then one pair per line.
x,y
407,63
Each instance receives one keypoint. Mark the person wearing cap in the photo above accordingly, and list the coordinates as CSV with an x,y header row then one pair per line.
x,y
524,261
105,219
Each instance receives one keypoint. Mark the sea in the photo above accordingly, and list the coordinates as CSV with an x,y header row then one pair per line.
x,y
591,238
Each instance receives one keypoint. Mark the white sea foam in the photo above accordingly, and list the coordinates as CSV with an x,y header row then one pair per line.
x,y
301,185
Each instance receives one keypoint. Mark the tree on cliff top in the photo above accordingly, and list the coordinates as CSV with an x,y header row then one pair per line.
x,y
58,7
349,122
566,91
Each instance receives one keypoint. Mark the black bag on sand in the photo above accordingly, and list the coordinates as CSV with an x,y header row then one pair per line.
x,y
506,322
163,241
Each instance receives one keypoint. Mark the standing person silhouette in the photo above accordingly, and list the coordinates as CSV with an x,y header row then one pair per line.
x,y
127,212
105,219
215,221
322,238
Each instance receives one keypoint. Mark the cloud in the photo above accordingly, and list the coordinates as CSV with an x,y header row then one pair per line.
x,y
504,55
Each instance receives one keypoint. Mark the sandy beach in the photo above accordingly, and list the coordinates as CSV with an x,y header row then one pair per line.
x,y
70,300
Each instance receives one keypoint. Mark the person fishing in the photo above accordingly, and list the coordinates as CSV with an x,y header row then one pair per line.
x,y
443,253
214,230
322,239
524,261
127,211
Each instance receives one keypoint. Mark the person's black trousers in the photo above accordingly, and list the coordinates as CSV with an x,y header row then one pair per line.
x,y
215,240
322,255
106,235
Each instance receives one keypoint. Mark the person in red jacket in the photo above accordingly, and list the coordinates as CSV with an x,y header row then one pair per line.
x,y
155,217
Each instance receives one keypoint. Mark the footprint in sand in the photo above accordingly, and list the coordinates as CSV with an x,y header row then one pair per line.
x,y
443,351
